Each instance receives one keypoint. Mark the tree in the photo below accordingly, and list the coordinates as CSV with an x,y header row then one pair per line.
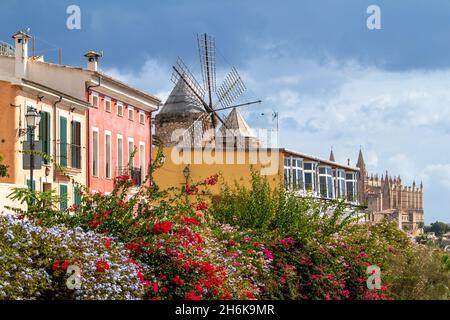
x,y
439,228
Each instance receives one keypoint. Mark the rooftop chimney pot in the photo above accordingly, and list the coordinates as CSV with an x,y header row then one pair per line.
x,y
93,57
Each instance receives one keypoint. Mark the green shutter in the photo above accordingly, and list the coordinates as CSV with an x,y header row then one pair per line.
x,y
63,193
44,133
63,141
76,144
77,197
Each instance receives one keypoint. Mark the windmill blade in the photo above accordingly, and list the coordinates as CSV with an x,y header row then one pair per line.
x,y
207,52
181,71
231,88
195,91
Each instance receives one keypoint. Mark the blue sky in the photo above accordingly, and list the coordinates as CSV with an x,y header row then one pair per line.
x,y
333,81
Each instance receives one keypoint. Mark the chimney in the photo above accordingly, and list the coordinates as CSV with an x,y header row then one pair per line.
x,y
93,58
21,54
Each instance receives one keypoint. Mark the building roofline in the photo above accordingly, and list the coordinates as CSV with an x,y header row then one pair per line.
x,y
331,163
43,88
155,99
148,96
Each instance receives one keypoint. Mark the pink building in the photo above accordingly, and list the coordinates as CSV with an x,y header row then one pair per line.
x,y
119,123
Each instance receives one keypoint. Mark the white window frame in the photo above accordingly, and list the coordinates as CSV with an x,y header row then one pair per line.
x,y
108,173
119,136
354,181
97,169
141,115
130,109
119,104
142,144
128,149
339,182
314,175
108,99
327,176
95,94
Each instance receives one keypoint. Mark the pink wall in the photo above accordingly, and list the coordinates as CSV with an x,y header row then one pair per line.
x,y
110,121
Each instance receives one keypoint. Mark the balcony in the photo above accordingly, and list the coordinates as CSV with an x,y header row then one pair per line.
x,y
69,156
6,49
134,173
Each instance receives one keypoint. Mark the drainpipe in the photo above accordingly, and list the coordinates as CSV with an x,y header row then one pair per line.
x,y
88,137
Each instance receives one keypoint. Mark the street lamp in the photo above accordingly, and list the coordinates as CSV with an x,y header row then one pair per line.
x,y
32,118
186,173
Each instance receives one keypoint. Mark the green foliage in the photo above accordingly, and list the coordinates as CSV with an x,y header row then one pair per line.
x,y
439,228
419,273
251,243
281,212
3,168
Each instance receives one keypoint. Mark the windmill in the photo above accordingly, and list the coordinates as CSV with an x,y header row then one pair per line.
x,y
208,96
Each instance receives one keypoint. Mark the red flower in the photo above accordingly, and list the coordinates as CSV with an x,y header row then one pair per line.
x,y
249,295
201,206
155,287
107,243
190,221
199,288
191,190
191,296
362,254
162,227
212,180
39,222
73,208
94,223
122,178
102,266
65,265
177,280
55,266
163,289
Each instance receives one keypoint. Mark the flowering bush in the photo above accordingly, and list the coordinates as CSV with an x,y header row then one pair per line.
x,y
255,243
35,260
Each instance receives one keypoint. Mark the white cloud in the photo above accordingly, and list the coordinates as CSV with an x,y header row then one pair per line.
x,y
153,77
401,119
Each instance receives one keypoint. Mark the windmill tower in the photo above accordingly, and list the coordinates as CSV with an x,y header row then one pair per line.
x,y
192,108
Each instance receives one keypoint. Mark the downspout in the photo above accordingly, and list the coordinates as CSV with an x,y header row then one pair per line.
x,y
88,137
54,133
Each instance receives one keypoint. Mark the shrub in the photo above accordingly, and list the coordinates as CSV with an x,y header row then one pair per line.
x,y
34,261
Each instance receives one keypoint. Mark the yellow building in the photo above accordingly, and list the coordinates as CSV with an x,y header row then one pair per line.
x,y
60,133
306,174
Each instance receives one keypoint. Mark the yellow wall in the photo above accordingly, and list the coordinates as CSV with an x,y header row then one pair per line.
x,y
171,173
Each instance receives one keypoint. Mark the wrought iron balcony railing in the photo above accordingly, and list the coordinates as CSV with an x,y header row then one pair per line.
x,y
133,173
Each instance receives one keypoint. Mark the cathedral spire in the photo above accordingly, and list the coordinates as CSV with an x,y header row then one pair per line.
x,y
360,164
332,155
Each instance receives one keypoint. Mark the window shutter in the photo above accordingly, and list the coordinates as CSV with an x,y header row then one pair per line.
x,y
77,197
63,141
63,192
